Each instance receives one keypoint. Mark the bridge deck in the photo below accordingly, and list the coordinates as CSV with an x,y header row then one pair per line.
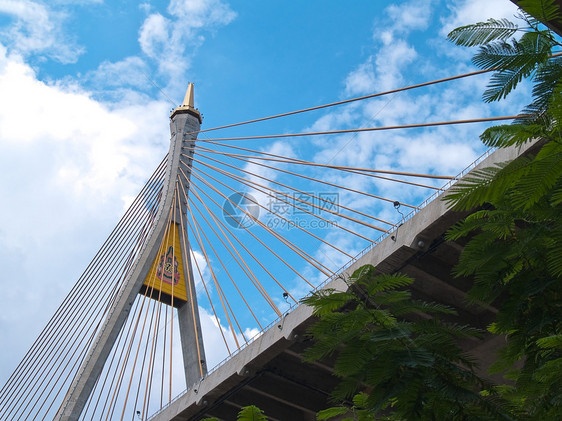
x,y
270,373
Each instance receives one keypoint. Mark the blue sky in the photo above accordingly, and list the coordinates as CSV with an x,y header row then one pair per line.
x,y
83,121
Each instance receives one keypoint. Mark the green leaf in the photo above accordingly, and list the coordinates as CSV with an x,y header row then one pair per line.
x,y
251,413
554,254
327,301
553,341
483,32
547,85
487,185
542,175
549,372
364,272
360,400
543,10
556,198
386,282
511,134
514,61
335,411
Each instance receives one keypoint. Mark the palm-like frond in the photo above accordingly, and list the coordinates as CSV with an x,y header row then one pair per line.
x,y
385,282
403,362
483,32
333,412
555,106
547,82
554,253
556,197
549,372
506,135
472,191
251,413
515,246
486,185
509,55
412,306
524,267
326,301
553,341
516,180
542,174
514,61
543,10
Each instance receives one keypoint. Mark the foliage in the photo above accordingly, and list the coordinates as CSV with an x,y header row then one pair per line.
x,y
358,411
251,413
408,366
247,413
515,247
515,58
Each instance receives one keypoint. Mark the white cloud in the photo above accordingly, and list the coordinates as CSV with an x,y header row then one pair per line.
x,y
440,150
90,146
129,72
216,342
383,70
37,29
171,41
199,13
361,80
145,7
80,162
410,16
465,12
391,61
341,118
200,269
76,2
154,35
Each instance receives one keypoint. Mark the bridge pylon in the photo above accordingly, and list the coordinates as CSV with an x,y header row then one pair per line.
x,y
162,270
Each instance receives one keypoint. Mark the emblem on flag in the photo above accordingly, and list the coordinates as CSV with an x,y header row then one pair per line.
x,y
168,268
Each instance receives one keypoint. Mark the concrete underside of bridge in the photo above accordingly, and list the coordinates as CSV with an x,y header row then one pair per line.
x,y
270,371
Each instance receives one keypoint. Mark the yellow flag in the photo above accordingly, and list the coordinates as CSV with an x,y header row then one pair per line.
x,y
166,276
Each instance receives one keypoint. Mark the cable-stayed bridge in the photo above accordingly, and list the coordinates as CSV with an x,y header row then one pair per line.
x,y
270,371
223,241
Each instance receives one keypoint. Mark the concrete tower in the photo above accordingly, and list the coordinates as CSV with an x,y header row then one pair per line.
x,y
185,122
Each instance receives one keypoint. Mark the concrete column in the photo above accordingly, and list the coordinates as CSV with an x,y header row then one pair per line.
x,y
184,119
193,351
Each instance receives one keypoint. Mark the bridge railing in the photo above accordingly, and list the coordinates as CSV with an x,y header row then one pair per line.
x,y
430,199
339,273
